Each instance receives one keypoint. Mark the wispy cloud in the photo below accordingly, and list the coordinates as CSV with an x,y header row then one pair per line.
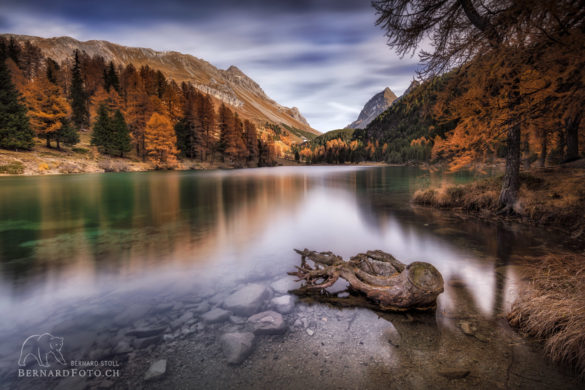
x,y
326,57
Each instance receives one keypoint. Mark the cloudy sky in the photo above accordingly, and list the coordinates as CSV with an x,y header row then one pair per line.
x,y
326,57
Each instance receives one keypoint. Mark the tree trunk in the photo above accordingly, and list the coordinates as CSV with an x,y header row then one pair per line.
x,y
572,137
511,184
48,141
543,149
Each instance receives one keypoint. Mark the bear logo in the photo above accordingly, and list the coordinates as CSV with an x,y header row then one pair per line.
x,y
40,347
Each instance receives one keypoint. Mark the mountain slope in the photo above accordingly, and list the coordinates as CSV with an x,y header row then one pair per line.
x,y
374,107
231,86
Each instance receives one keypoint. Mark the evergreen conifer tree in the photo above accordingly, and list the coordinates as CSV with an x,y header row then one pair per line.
x,y
101,128
79,97
120,139
15,131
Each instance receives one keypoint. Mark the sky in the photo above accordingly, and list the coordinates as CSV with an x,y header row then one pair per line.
x,y
326,57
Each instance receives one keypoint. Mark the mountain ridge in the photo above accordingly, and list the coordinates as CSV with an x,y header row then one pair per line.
x,y
231,86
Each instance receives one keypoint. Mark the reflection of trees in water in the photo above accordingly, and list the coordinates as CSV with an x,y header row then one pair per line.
x,y
122,222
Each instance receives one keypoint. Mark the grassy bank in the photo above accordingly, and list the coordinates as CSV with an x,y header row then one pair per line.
x,y
84,158
552,308
548,197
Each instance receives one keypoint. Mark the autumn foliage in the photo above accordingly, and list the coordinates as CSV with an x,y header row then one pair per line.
x,y
160,141
131,111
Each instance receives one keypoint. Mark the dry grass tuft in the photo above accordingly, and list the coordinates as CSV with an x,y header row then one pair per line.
x,y
552,308
478,196
554,197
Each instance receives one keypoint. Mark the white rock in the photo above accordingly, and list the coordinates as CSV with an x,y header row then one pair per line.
x,y
267,322
247,300
156,370
237,346
215,315
283,304
284,285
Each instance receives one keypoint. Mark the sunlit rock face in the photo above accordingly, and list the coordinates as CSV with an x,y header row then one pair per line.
x,y
374,107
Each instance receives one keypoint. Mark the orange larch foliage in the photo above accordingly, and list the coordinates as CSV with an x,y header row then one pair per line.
x,y
160,141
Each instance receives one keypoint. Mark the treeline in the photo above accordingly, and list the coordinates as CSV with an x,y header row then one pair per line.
x,y
129,111
460,117
401,134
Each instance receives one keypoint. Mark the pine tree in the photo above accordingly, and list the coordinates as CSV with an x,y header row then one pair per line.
x,y
101,128
66,134
160,141
120,140
111,79
15,131
52,70
79,98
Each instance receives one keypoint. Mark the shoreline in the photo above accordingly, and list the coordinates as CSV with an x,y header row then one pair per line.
x,y
551,309
43,161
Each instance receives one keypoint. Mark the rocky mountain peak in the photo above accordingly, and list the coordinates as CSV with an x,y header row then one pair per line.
x,y
374,107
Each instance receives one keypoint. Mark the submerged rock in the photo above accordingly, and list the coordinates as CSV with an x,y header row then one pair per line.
x,y
215,315
156,370
268,322
283,304
284,285
237,346
146,332
247,300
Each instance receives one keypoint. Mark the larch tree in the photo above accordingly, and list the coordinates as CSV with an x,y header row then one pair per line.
x,y
48,108
226,129
207,118
460,30
160,141
15,130
251,135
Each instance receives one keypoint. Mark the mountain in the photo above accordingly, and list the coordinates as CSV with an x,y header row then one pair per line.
x,y
231,86
374,107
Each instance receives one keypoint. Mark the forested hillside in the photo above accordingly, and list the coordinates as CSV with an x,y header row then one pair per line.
x,y
129,111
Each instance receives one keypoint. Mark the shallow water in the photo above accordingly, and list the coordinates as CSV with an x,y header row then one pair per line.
x,y
92,257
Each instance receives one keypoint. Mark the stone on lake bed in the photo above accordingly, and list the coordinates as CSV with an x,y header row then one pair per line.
x,y
284,285
283,304
145,342
146,332
237,346
247,300
454,373
215,315
267,322
156,370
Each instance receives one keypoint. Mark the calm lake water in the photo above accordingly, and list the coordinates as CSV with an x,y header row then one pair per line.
x,y
92,258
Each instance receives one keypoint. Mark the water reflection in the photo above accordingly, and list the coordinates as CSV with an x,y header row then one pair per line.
x,y
89,256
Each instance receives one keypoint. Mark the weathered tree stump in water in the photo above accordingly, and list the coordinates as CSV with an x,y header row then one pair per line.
x,y
391,284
